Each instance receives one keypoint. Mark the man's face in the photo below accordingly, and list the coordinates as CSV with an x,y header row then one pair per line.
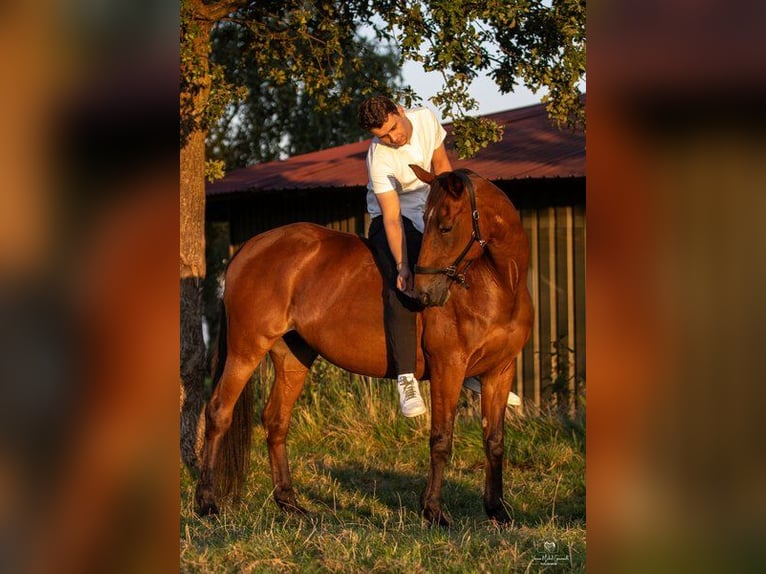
x,y
396,131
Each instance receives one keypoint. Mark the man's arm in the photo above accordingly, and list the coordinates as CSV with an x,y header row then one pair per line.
x,y
392,224
440,161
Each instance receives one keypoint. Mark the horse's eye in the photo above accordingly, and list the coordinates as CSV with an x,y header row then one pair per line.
x,y
443,229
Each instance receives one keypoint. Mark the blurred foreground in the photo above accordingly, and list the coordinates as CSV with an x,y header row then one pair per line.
x,y
676,284
88,288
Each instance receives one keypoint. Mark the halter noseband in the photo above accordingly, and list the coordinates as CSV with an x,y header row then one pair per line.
x,y
451,272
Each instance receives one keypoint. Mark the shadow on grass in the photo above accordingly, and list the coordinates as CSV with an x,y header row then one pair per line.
x,y
360,491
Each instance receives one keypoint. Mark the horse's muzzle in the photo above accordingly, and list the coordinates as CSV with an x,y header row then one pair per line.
x,y
435,293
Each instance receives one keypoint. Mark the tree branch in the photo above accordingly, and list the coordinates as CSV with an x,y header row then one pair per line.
x,y
213,12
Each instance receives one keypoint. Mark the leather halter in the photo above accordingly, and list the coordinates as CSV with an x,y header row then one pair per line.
x,y
452,271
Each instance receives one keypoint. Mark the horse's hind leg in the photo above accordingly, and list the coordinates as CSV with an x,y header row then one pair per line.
x,y
292,358
218,419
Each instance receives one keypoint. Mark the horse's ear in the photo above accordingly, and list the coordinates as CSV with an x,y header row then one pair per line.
x,y
423,175
455,186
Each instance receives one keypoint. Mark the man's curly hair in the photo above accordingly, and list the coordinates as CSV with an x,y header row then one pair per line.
x,y
373,112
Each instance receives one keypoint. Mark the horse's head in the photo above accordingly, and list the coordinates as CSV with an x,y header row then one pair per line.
x,y
451,239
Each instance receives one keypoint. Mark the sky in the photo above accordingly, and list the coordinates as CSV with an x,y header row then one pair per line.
x,y
483,89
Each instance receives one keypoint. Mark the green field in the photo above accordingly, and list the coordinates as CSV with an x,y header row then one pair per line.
x,y
359,468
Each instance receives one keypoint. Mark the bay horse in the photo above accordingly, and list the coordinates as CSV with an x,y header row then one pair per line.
x,y
302,290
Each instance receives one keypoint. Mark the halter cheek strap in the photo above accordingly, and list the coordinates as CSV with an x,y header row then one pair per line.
x,y
452,271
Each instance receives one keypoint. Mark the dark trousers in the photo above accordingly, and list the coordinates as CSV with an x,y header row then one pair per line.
x,y
399,310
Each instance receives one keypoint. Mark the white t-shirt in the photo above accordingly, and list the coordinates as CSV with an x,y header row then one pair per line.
x,y
388,168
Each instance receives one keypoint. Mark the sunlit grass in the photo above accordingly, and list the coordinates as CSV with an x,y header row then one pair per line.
x,y
359,468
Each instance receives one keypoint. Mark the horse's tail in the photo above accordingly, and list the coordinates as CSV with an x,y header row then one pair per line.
x,y
233,458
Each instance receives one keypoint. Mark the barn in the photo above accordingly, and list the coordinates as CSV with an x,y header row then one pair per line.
x,y
539,167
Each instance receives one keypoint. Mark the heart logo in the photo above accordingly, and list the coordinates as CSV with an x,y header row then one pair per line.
x,y
549,546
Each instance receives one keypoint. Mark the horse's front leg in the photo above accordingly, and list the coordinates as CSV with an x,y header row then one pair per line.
x,y
494,394
445,390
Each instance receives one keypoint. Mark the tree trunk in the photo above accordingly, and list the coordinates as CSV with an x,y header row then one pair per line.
x,y
192,373
196,27
192,274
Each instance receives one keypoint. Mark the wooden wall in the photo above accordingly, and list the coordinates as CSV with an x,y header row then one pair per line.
x,y
552,366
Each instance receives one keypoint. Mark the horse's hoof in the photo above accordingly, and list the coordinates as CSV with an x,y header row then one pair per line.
x,y
498,514
437,518
289,504
207,509
205,502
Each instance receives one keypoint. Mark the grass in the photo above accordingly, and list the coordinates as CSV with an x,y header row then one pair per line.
x,y
359,467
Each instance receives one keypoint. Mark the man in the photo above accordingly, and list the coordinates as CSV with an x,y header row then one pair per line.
x,y
396,200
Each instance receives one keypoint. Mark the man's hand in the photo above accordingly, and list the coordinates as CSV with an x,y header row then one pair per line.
x,y
404,280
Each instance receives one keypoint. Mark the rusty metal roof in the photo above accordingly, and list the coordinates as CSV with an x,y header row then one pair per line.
x,y
531,148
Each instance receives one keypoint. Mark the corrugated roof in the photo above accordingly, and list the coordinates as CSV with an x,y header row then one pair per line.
x,y
531,148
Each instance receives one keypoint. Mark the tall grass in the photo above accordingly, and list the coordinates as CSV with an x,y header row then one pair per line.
x,y
359,467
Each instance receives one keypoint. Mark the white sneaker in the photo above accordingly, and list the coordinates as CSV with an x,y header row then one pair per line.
x,y
474,384
409,396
